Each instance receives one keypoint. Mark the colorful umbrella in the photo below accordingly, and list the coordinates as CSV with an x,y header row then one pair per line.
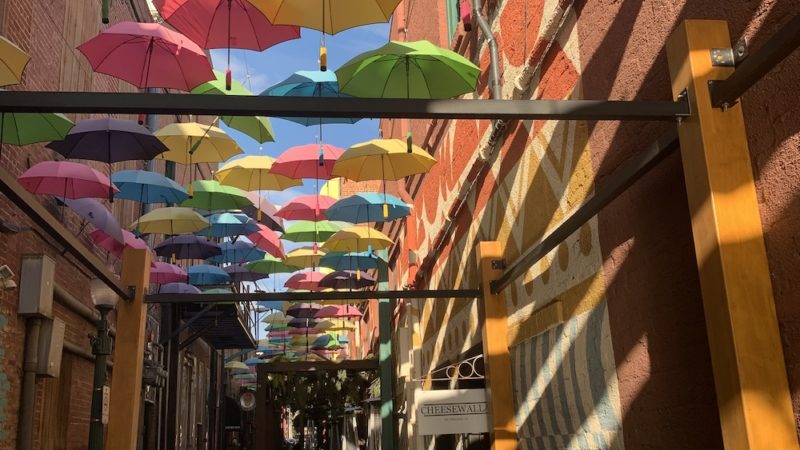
x,y
109,140
254,361
236,365
357,239
148,187
163,273
310,84
221,290
275,317
188,246
270,265
263,211
229,224
307,161
210,195
204,275
240,274
351,261
304,257
382,159
252,173
30,128
267,240
178,288
302,310
306,207
66,180
98,215
238,252
307,231
148,55
343,325
103,240
12,62
218,86
308,280
171,220
346,279
368,207
193,142
325,342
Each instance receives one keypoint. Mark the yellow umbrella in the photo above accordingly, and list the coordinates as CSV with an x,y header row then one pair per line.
x,y
357,239
170,220
12,62
332,188
236,365
251,173
342,325
192,142
382,159
304,257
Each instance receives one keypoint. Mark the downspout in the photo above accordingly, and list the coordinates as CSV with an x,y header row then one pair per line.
x,y
33,326
494,73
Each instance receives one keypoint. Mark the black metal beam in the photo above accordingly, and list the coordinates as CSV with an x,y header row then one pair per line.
x,y
26,202
618,182
217,105
177,331
193,337
758,64
310,296
311,366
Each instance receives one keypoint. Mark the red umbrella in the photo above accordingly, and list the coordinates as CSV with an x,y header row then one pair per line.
x,y
103,240
305,280
306,207
307,161
66,180
148,55
163,273
267,240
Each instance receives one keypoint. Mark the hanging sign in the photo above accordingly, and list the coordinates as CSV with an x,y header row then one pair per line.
x,y
452,411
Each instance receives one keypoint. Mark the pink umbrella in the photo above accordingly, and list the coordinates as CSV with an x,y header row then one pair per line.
x,y
148,55
278,333
163,273
306,207
304,331
307,161
338,312
305,280
263,211
267,240
103,240
66,180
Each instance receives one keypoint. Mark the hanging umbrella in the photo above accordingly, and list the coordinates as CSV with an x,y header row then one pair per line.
x,y
270,265
254,361
276,329
222,290
109,243
341,325
308,281
178,288
188,246
267,240
304,257
346,280
351,261
108,140
12,62
275,317
66,180
31,128
204,274
170,220
310,84
164,273
240,274
357,239
229,224
382,159
210,195
301,310
252,173
147,187
148,55
368,207
325,342
306,207
98,215
192,142
238,252
339,312
236,365
307,161
306,231
263,211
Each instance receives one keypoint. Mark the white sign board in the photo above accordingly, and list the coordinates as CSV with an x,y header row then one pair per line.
x,y
106,403
452,411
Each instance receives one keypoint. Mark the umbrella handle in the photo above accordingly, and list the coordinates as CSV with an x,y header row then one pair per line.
x,y
323,58
104,12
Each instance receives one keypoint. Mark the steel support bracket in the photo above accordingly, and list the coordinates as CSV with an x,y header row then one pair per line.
x,y
712,84
730,57
498,264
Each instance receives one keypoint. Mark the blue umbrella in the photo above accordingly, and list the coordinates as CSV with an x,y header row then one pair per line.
x,y
204,274
310,83
253,361
178,288
238,252
344,339
229,224
148,187
368,207
351,261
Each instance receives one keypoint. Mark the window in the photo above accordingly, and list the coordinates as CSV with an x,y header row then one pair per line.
x,y
452,19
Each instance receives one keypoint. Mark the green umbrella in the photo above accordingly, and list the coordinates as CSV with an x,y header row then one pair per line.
x,y
270,265
30,128
307,231
210,195
217,87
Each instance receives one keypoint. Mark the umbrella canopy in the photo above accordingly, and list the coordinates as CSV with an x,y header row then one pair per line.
x,y
12,62
357,239
306,207
163,273
304,257
30,128
219,290
66,180
98,215
148,55
236,365
238,252
194,142
307,231
210,195
301,310
332,17
339,325
263,211
270,265
267,240
230,224
171,220
307,161
103,240
325,342
188,246
310,83
345,279
308,280
368,207
109,140
275,317
147,187
408,70
382,159
240,274
277,329
204,274
178,288
254,361
351,261
252,173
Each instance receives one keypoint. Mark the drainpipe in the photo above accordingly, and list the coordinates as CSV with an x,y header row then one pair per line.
x,y
494,74
28,397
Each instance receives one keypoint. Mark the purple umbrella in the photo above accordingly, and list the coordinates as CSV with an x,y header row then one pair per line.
x,y
346,279
178,288
188,246
303,310
302,324
109,140
163,273
240,273
95,213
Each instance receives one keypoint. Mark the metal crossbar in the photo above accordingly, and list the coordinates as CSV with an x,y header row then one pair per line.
x,y
312,296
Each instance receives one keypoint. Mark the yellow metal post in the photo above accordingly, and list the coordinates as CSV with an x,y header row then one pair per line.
x,y
746,355
126,384
502,426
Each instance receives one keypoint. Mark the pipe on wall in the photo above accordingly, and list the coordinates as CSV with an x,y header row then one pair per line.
x,y
33,326
61,295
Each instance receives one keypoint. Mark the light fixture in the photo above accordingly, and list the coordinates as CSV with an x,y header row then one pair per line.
x,y
102,295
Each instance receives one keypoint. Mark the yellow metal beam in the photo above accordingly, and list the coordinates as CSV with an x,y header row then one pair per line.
x,y
746,355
